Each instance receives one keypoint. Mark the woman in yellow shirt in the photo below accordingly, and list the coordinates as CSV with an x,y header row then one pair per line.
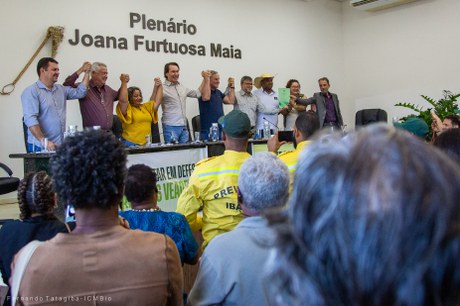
x,y
137,117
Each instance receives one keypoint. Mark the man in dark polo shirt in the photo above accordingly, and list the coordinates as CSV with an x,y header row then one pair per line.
x,y
327,105
212,100
97,107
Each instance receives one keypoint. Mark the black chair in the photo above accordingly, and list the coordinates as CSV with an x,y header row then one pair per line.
x,y
8,183
196,124
117,127
369,116
24,131
189,131
155,133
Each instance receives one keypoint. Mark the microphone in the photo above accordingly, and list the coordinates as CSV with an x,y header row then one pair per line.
x,y
270,122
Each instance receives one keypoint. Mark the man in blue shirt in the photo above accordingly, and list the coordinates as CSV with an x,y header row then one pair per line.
x,y
44,106
212,100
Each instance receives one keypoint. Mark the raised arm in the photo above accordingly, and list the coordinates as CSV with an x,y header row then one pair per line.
x,y
299,107
123,93
437,121
230,92
273,143
157,93
205,87
72,79
304,102
87,70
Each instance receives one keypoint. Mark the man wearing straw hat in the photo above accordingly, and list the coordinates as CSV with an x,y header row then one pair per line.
x,y
269,99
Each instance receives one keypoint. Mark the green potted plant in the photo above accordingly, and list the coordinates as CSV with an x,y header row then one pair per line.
x,y
443,107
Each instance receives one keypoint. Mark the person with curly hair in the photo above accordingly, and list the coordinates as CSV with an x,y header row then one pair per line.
x,y
141,190
37,221
100,258
380,232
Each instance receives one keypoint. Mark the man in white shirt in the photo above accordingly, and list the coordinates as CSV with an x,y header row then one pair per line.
x,y
269,99
174,117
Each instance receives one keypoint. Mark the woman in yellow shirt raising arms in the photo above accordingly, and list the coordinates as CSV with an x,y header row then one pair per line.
x,y
137,117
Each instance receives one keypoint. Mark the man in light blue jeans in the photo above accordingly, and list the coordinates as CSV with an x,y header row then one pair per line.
x,y
173,134
175,94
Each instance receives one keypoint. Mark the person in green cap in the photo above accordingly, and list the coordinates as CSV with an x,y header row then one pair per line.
x,y
214,182
415,126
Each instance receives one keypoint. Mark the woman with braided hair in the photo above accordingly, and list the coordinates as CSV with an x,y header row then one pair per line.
x,y
37,221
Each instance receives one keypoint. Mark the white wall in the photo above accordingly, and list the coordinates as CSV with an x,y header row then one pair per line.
x,y
395,55
373,59
292,38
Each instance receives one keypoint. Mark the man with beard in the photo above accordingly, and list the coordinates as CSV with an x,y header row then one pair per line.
x,y
327,105
305,126
269,100
44,106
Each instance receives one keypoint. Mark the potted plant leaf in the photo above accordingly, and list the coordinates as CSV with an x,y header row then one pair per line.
x,y
447,105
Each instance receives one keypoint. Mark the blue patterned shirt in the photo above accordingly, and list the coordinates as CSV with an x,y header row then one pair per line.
x,y
169,223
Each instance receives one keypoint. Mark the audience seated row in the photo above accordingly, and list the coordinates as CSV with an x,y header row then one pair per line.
x,y
372,220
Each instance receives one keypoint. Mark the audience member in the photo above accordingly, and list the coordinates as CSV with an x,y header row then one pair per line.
x,y
141,191
246,101
385,233
211,102
231,268
449,142
100,259
213,183
305,126
174,118
327,105
37,222
137,117
291,111
44,106
415,126
97,107
448,122
269,99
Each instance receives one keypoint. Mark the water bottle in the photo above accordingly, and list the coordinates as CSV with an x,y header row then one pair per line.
x,y
214,132
71,131
148,140
267,132
174,139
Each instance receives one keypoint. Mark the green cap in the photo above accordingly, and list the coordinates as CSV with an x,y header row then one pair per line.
x,y
236,124
414,125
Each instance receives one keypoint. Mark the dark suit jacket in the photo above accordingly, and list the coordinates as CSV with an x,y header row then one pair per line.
x,y
320,102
